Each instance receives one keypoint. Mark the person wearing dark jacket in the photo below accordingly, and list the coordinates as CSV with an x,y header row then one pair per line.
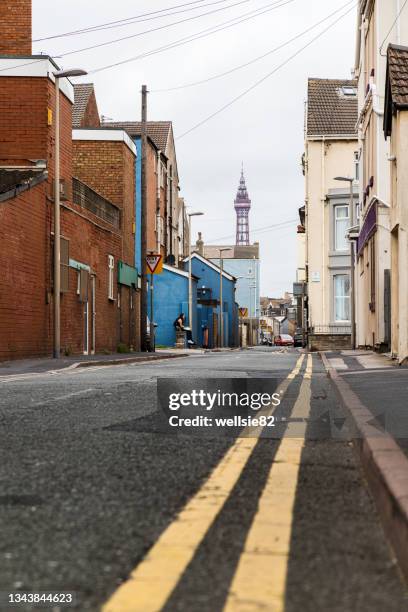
x,y
179,324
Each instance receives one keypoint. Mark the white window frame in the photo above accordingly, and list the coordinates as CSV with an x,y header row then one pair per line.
x,y
340,219
346,298
111,269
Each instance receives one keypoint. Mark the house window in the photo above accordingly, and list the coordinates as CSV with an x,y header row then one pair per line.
x,y
341,225
357,165
111,268
341,297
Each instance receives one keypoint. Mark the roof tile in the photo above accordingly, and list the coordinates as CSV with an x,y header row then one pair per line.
x,y
331,112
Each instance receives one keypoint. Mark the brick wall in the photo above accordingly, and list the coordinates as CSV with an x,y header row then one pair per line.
x,y
24,312
91,116
329,342
24,130
108,168
91,240
15,27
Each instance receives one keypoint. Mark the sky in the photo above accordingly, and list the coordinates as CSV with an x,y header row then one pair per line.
x,y
263,129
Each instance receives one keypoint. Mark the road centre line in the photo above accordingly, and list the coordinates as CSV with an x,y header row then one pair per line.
x,y
151,583
260,579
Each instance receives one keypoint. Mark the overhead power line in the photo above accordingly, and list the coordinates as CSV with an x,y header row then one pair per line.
x,y
119,22
393,25
186,39
162,27
267,76
256,59
198,35
267,228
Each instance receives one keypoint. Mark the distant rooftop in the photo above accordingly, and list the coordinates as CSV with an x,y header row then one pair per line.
x,y
158,131
332,108
82,93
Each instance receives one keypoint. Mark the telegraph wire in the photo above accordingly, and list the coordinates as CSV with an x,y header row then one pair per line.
x,y
120,22
392,27
267,228
193,37
267,76
157,29
256,59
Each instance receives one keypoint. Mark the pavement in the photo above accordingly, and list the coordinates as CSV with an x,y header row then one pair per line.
x,y
374,390
96,499
48,364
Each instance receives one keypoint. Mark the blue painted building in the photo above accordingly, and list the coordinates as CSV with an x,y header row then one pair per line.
x,y
208,302
170,299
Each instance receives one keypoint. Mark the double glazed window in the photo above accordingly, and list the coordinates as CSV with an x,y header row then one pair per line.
x,y
341,225
341,297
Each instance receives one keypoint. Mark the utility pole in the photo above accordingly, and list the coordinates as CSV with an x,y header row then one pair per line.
x,y
143,301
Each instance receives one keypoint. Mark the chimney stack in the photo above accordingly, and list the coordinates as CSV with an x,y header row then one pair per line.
x,y
200,245
16,27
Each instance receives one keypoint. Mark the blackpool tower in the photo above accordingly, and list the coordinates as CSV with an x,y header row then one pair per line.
x,y
242,205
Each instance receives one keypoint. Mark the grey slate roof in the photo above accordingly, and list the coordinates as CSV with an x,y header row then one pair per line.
x,y
82,93
158,131
330,112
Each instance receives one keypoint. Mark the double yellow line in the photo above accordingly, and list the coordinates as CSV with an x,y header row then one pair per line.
x,y
261,573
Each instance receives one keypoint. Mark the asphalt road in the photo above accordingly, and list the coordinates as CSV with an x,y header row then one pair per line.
x,y
91,487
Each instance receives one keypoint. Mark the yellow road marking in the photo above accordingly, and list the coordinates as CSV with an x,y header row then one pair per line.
x,y
296,370
153,580
260,579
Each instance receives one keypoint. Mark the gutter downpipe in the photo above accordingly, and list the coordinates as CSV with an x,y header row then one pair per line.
x,y
158,225
323,200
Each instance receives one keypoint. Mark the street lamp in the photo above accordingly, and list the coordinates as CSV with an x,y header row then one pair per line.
x,y
59,74
221,299
190,285
350,180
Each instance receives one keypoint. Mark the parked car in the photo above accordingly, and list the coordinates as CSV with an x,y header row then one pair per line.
x,y
284,340
298,338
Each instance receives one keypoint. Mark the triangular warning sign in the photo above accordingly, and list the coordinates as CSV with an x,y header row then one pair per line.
x,y
152,262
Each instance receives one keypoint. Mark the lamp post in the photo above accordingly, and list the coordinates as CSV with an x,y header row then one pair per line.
x,y
221,298
350,180
190,284
59,74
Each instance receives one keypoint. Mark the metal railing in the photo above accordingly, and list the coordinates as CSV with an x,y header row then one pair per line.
x,y
331,329
87,198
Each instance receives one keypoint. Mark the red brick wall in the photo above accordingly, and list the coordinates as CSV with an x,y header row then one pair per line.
x,y
24,130
91,116
108,167
15,27
91,241
24,313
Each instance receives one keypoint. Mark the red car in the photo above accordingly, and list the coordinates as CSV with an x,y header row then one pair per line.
x,y
284,340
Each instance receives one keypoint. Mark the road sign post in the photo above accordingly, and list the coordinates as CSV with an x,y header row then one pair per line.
x,y
154,265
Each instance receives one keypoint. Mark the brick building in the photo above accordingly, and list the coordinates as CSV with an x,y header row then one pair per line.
x,y
99,295
166,215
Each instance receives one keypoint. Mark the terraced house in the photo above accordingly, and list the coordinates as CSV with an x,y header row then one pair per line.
x,y
330,209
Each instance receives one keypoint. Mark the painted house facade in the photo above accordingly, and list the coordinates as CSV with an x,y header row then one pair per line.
x,y
330,145
209,276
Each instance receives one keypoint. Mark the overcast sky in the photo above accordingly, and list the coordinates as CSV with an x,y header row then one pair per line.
x,y
264,129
